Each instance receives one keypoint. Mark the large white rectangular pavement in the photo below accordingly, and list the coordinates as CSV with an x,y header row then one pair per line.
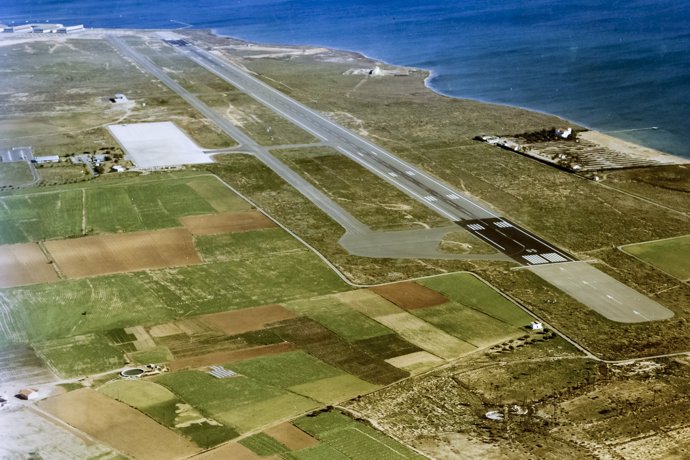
x,y
157,145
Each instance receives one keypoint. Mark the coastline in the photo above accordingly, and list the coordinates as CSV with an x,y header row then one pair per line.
x,y
670,158
640,148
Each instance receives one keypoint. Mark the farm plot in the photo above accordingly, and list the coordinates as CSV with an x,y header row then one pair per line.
x,y
301,373
239,402
472,292
118,425
227,357
75,307
107,207
410,295
347,439
39,216
339,318
468,324
15,173
671,256
169,410
323,344
127,252
22,264
246,245
81,355
218,195
213,224
291,437
247,319
425,336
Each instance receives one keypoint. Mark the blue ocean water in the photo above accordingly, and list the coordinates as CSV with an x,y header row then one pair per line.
x,y
617,66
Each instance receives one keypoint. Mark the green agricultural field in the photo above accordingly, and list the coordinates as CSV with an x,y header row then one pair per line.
x,y
82,355
246,245
15,173
166,408
73,307
285,370
107,206
139,394
263,445
240,402
303,374
334,389
467,324
425,335
339,318
671,256
351,439
472,292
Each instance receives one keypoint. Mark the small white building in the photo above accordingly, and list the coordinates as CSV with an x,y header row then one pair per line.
x,y
24,28
47,159
536,326
563,132
27,394
118,168
45,28
71,29
120,98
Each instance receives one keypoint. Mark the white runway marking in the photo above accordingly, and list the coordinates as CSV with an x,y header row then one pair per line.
x,y
553,257
535,260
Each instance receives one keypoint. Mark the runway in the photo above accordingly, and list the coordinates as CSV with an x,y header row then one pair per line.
x,y
519,244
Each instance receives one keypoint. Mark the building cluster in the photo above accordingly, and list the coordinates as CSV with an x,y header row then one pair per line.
x,y
41,28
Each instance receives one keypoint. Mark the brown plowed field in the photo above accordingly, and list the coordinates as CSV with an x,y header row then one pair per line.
x,y
227,357
123,252
410,295
232,451
247,319
291,437
22,264
118,425
213,224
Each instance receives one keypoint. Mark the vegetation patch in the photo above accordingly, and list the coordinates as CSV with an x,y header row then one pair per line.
x,y
472,292
15,174
263,445
339,318
333,390
286,369
246,245
468,324
81,355
350,438
329,348
669,255
239,402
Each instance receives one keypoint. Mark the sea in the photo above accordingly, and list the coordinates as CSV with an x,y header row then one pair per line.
x,y
621,67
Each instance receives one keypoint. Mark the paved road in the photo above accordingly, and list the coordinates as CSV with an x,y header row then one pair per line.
x,y
510,239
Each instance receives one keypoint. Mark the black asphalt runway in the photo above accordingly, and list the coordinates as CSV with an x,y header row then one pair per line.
x,y
515,242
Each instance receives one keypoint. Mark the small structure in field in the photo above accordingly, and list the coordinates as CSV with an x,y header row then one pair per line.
x,y
119,99
536,326
47,159
220,372
563,132
27,394
119,169
494,415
